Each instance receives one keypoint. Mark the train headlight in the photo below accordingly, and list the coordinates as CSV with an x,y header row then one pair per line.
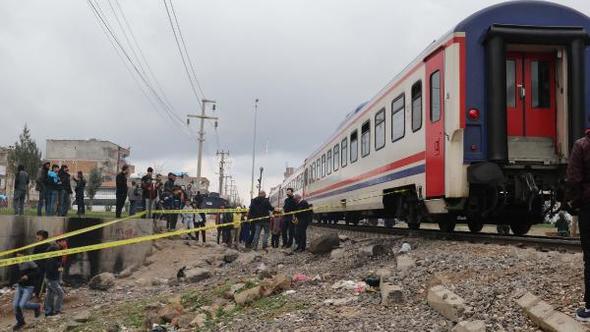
x,y
473,114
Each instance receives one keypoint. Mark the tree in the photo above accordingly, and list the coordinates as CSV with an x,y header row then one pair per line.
x,y
94,182
25,152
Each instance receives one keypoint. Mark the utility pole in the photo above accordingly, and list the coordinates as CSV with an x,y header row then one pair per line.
x,y
222,162
226,185
260,180
201,138
253,150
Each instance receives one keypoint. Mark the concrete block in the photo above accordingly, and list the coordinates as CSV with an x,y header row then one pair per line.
x,y
391,294
470,326
446,302
543,315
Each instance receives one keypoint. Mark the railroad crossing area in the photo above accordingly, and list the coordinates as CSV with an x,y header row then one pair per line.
x,y
348,280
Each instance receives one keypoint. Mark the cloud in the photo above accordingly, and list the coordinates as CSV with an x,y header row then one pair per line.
x,y
309,62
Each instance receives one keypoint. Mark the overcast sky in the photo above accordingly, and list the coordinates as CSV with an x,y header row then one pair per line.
x,y
309,63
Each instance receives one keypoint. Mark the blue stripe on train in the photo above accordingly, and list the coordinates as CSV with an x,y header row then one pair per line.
x,y
386,178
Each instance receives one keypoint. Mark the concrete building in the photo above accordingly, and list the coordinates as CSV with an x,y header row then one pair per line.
x,y
86,155
3,169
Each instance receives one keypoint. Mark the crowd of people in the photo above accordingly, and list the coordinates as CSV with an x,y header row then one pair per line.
x,y
54,184
40,279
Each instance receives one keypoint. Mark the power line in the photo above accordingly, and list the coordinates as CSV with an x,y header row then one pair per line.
x,y
192,84
102,19
190,62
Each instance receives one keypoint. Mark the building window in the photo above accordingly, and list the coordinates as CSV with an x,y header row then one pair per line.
x,y
336,157
344,152
380,129
323,165
318,171
435,96
354,147
398,119
329,161
366,138
416,106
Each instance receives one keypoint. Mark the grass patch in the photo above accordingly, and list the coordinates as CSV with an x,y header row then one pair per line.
x,y
194,300
273,306
220,291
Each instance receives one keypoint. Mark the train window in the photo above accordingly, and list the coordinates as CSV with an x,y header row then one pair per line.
x,y
306,177
435,96
323,165
540,84
417,106
317,168
354,147
366,138
398,118
510,83
344,152
329,161
380,129
336,157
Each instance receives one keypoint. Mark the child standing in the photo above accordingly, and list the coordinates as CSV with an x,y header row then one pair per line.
x,y
275,230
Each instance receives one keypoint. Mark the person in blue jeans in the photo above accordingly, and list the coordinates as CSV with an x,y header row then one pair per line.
x,y
260,209
25,275
52,188
54,298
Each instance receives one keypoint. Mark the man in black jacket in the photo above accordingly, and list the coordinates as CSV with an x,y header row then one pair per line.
x,y
121,192
41,235
259,208
40,182
288,228
65,192
21,188
55,294
25,276
304,218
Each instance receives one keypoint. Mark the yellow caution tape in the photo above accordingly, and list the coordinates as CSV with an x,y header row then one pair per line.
x,y
112,244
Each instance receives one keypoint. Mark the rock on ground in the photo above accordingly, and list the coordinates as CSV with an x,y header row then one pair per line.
x,y
470,326
446,302
197,274
102,281
391,294
324,243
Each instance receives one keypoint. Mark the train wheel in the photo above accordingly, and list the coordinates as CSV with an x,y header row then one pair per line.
x,y
503,229
389,222
447,223
414,219
520,229
474,226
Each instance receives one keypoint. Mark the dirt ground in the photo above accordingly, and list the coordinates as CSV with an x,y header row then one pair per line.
x,y
488,277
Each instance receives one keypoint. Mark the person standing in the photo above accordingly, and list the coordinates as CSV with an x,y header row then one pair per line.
x,y
41,235
25,276
260,208
52,185
149,191
79,190
275,230
40,182
170,201
287,227
198,199
53,268
304,218
578,201
134,198
121,191
65,200
21,186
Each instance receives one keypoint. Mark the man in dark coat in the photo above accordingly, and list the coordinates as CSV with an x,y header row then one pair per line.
x,y
41,235
21,187
578,179
304,218
40,182
288,228
53,268
121,193
259,208
65,191
25,275
80,187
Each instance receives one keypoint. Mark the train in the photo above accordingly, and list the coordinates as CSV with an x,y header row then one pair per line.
x,y
477,129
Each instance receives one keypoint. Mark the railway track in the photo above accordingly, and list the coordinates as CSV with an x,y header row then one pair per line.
x,y
543,243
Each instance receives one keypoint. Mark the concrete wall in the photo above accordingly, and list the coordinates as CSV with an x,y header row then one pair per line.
x,y
18,231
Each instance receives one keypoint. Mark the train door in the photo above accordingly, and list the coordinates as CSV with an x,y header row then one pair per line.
x,y
435,129
530,95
